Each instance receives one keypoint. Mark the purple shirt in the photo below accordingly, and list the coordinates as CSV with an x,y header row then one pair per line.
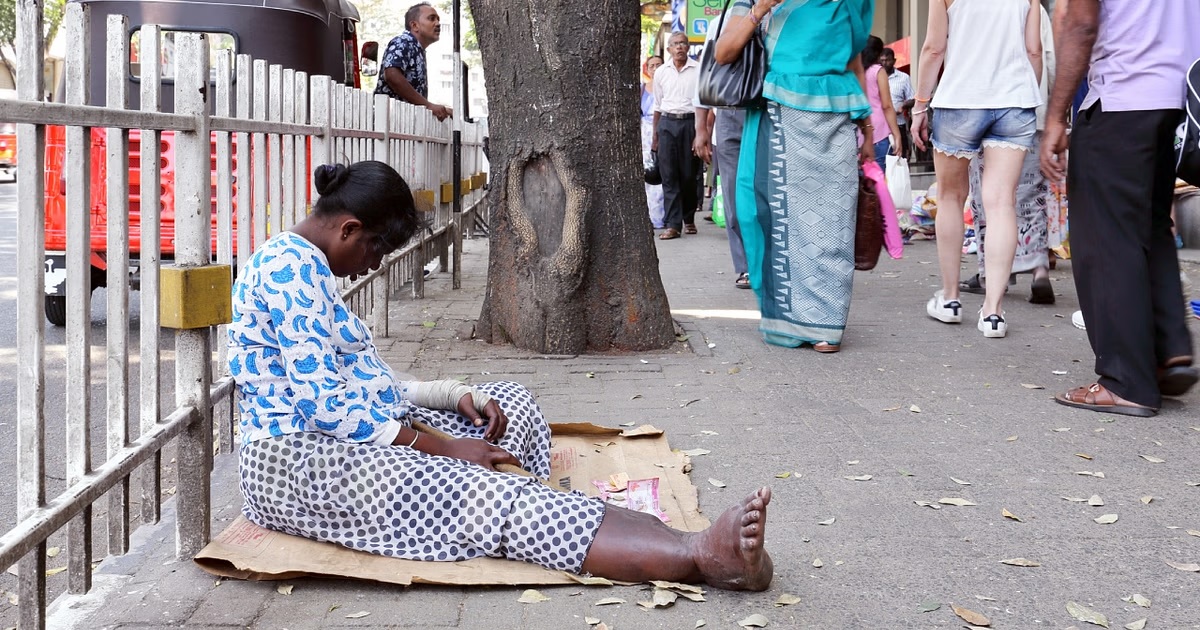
x,y
1142,54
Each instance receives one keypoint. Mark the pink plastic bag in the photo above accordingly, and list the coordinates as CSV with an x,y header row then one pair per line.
x,y
893,242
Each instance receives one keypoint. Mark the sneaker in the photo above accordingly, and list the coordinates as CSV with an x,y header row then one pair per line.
x,y
992,326
942,310
1077,320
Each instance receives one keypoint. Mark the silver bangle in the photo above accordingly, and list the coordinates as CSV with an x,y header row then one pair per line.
x,y
416,436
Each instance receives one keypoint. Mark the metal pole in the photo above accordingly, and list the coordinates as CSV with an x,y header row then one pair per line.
x,y
456,146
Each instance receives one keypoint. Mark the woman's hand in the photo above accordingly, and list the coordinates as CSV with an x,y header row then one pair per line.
x,y
497,422
866,152
478,452
920,129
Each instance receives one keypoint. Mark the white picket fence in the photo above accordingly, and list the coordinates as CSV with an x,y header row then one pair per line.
x,y
271,126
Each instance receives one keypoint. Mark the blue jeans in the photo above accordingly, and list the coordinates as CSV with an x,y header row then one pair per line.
x,y
881,150
962,133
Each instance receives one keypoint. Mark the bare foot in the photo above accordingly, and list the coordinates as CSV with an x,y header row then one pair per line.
x,y
730,553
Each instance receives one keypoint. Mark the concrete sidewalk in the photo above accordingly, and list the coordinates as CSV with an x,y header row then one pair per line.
x,y
929,411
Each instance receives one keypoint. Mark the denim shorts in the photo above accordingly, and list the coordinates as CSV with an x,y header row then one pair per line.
x,y
963,132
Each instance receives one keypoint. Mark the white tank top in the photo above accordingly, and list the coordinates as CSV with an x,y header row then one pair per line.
x,y
987,65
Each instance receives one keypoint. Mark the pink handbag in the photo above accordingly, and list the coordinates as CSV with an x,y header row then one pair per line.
x,y
893,242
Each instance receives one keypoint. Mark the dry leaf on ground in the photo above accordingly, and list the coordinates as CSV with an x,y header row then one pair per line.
x,y
1006,514
926,607
707,432
1075,499
662,598
1089,473
1021,562
1083,455
589,581
52,551
858,477
783,475
1095,501
1083,613
1011,438
960,481
1139,599
914,409
1140,624
55,571
1061,429
696,452
1058,372
1152,459
1106,519
1147,499
970,616
716,482
896,408
1194,532
700,623
531,596
818,563
786,599
358,615
677,586
1193,567
955,501
609,601
827,521
591,621
754,621
285,589
1031,386
929,504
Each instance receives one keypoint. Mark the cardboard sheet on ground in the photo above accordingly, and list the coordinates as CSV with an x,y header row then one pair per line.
x,y
580,454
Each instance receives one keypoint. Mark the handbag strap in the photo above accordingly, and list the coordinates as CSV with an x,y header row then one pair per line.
x,y
721,20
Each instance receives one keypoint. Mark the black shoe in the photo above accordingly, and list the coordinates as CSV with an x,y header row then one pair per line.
x,y
975,285
1041,292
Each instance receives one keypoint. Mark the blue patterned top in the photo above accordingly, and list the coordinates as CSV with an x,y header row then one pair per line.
x,y
809,43
404,52
301,359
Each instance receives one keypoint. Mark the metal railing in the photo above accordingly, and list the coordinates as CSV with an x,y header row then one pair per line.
x,y
245,158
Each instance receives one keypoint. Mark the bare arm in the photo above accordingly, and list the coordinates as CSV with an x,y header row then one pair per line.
x,y
1033,37
866,152
1076,29
889,110
933,52
399,83
738,31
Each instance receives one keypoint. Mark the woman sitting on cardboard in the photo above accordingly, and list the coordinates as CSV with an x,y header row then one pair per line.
x,y
328,451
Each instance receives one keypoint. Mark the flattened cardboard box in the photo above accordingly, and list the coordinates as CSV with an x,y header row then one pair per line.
x,y
580,453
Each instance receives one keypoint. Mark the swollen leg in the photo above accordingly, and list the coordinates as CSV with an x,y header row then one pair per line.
x,y
636,547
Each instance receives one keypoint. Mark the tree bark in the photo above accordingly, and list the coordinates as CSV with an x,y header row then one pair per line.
x,y
573,266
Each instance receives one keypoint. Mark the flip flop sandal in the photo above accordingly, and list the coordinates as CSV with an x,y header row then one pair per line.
x,y
743,281
1041,292
689,228
1095,397
972,285
1177,380
825,347
669,234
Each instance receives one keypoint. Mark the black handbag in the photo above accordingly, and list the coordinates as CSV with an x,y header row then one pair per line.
x,y
868,227
737,84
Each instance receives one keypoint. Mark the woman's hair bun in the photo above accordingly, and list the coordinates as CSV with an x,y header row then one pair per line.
x,y
330,177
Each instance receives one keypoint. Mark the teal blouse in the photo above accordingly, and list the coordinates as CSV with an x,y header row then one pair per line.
x,y
809,43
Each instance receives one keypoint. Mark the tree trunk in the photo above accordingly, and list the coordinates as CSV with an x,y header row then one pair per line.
x,y
573,266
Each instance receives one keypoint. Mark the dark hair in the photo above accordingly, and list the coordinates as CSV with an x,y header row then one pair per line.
x,y
889,52
413,14
870,52
658,57
374,193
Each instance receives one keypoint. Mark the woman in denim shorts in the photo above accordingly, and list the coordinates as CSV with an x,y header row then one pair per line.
x,y
985,103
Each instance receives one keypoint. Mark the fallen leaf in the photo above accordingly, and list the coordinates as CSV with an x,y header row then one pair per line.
x,y
695,597
985,598
627,424
590,581
828,522
1193,483
817,563
1088,473
1194,532
696,452
709,433
1193,567
928,606
929,504
285,589
1086,614
1021,562
590,375
55,571
694,400
1147,499
334,607
970,616
1095,501
52,552
1140,624
905,473
1083,455
662,598
1058,372
1061,429
858,477
680,338
677,586
1152,459
955,501
1011,438
712,345
591,621
531,596
716,482
786,599
1106,519
914,409
1140,600
1075,499
783,475
896,408
1031,386
700,623
853,462
429,324
358,615
754,621
960,482
1006,514
607,601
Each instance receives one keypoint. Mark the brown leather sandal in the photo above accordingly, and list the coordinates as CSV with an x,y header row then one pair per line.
x,y
827,348
1096,397
668,234
689,228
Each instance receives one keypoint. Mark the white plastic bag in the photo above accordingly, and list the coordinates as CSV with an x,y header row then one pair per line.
x,y
899,182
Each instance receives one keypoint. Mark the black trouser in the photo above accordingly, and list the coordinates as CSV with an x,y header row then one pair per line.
x,y
680,170
1121,178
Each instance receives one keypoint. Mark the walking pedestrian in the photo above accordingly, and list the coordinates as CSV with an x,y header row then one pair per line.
x,y
654,192
900,85
674,133
886,131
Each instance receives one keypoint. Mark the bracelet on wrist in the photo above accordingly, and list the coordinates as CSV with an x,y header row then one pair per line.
x,y
920,111
922,100
416,436
754,18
